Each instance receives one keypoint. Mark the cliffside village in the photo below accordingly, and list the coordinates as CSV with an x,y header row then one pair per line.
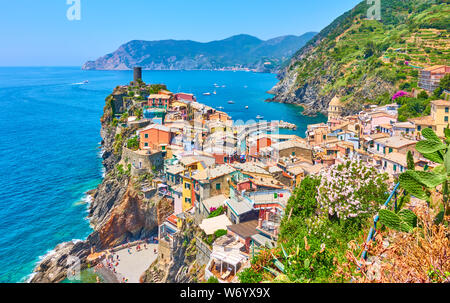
x,y
238,177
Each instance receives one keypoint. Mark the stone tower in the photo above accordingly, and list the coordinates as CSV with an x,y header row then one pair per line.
x,y
137,74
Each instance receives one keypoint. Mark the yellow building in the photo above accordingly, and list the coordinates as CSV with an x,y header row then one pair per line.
x,y
188,195
188,192
335,109
438,120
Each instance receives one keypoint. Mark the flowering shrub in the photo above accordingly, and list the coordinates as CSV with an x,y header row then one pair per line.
x,y
351,190
399,94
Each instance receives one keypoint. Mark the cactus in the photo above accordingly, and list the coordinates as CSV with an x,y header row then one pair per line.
x,y
409,217
429,134
412,186
389,219
404,221
428,146
435,157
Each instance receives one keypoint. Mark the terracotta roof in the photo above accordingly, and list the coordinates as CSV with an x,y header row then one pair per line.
x,y
398,158
156,126
266,181
172,219
244,230
213,173
441,102
250,168
296,170
159,96
395,141
432,68
427,120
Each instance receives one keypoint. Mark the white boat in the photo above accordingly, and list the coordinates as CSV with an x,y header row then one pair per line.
x,y
214,92
259,117
231,102
85,82
220,107
223,85
246,107
206,94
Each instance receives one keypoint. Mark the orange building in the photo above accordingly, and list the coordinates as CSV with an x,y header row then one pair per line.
x,y
160,100
153,136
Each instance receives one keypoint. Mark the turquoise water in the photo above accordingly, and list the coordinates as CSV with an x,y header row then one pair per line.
x,y
49,155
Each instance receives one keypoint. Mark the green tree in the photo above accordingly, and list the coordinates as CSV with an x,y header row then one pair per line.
x,y
133,143
445,82
410,160
422,95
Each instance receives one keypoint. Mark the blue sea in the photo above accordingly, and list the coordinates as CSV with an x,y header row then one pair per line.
x,y
49,146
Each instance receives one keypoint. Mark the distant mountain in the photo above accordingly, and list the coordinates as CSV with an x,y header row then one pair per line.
x,y
367,61
241,51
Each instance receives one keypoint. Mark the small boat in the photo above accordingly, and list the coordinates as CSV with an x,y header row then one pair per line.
x,y
231,102
223,85
206,94
259,117
220,107
85,82
246,107
214,92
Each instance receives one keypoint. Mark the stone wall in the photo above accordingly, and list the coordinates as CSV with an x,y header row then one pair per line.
x,y
142,162
203,252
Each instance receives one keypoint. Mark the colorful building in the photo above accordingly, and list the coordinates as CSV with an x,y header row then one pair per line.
x,y
154,136
438,120
159,101
430,77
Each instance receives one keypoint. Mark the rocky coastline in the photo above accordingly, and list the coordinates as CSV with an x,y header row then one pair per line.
x,y
117,214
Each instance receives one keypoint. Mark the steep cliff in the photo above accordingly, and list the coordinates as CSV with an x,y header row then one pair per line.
x,y
118,213
363,60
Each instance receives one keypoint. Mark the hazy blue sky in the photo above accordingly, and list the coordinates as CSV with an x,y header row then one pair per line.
x,y
37,32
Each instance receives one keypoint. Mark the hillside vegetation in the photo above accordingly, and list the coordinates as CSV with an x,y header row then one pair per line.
x,y
364,60
242,51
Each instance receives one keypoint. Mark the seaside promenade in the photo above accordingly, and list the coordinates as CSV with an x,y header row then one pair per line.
x,y
128,263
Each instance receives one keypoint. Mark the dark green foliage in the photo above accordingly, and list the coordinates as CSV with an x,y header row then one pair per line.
x,y
445,82
219,233
422,95
212,280
249,276
405,220
133,143
217,212
410,160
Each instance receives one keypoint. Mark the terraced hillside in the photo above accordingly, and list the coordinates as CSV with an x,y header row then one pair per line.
x,y
363,60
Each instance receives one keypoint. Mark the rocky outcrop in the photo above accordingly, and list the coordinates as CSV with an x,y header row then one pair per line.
x,y
133,218
118,213
55,265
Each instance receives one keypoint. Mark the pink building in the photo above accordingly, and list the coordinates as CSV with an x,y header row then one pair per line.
x,y
380,118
